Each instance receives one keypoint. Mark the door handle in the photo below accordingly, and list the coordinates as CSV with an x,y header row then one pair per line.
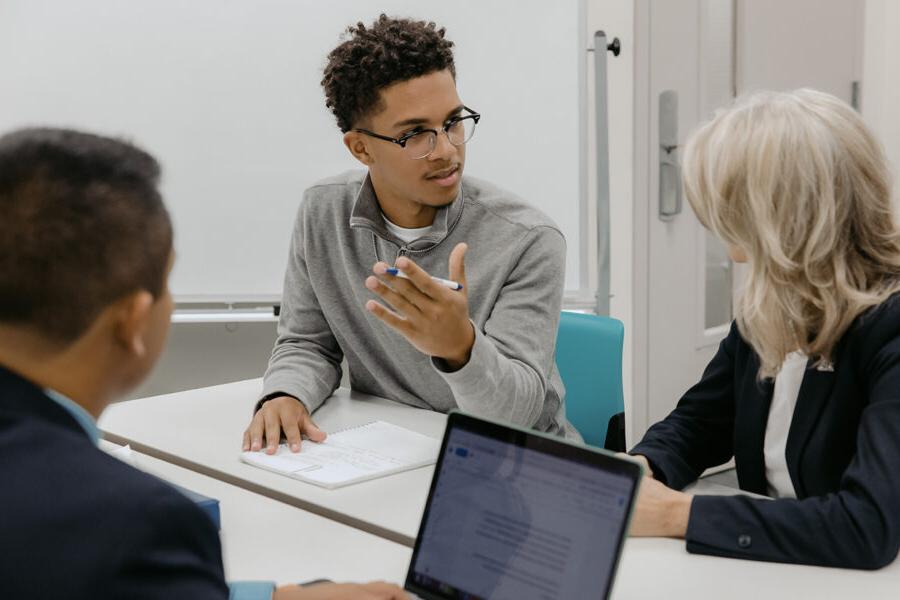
x,y
669,169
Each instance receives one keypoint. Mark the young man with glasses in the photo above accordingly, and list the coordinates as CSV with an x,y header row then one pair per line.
x,y
486,347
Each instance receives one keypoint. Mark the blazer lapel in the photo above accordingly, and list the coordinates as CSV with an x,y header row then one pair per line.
x,y
752,414
814,393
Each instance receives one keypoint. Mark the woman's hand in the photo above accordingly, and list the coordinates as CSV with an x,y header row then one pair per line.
x,y
660,511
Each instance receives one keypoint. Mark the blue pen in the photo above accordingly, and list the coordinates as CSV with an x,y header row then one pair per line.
x,y
444,282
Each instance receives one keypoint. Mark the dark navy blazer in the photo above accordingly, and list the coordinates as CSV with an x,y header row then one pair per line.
x,y
843,453
78,523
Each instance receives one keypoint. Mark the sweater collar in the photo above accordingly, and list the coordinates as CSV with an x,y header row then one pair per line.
x,y
367,214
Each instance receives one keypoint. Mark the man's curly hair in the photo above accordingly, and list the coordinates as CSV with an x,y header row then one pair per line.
x,y
389,51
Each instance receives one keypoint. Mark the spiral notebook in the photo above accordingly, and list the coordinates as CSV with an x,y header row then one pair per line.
x,y
352,455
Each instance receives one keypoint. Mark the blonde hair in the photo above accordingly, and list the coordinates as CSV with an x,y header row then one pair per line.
x,y
798,183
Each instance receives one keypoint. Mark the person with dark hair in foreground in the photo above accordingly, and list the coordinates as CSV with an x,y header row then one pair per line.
x,y
85,254
487,347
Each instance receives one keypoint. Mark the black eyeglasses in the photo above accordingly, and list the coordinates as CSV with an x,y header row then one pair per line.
x,y
419,143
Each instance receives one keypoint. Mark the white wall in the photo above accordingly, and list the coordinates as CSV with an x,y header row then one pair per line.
x,y
881,78
786,44
203,354
226,94
773,55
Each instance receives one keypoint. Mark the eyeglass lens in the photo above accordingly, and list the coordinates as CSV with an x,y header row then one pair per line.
x,y
423,144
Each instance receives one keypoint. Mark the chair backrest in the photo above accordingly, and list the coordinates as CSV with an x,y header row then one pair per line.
x,y
589,358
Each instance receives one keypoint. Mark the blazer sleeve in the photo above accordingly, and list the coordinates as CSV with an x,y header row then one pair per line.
x,y
173,551
856,527
699,432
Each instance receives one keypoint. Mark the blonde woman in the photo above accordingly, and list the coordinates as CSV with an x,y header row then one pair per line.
x,y
804,392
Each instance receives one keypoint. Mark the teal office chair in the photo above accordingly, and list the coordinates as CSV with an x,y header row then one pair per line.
x,y
589,358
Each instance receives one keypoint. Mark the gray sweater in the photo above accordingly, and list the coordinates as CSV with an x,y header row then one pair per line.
x,y
514,267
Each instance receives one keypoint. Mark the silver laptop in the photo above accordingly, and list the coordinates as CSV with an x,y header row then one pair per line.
x,y
518,515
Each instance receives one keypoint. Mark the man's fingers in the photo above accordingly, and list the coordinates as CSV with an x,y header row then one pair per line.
x,y
419,297
291,430
400,302
419,278
312,431
273,430
380,268
458,264
245,445
255,431
389,317
408,290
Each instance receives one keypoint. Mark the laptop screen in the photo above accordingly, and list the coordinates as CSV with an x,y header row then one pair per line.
x,y
516,515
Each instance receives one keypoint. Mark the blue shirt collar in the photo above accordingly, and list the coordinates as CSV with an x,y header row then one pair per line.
x,y
81,416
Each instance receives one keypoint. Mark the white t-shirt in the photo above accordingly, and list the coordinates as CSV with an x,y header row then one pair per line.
x,y
404,234
781,413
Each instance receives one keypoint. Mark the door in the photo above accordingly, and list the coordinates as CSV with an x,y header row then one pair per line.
x,y
801,43
699,52
683,278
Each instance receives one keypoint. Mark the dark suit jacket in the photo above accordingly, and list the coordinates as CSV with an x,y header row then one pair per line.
x,y
843,453
78,523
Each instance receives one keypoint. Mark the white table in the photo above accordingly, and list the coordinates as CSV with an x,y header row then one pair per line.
x,y
269,540
202,431
662,568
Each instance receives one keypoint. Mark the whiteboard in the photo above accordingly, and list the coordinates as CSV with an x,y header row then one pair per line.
x,y
226,94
